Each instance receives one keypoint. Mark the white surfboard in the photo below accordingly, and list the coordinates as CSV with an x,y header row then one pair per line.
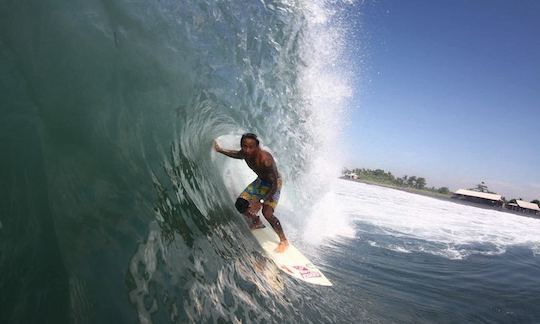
x,y
291,261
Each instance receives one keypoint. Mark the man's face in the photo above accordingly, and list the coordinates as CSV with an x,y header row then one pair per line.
x,y
249,147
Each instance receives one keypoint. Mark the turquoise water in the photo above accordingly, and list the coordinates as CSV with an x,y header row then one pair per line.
x,y
112,208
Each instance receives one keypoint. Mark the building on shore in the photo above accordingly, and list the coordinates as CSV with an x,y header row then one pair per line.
x,y
524,207
490,199
352,175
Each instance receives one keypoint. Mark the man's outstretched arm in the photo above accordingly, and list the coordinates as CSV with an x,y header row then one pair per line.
x,y
230,153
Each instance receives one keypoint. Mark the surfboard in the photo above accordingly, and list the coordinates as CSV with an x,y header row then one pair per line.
x,y
291,261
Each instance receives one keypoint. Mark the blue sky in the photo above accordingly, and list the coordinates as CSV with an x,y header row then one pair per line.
x,y
448,90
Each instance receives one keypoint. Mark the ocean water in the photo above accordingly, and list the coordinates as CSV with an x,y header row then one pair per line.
x,y
415,259
114,209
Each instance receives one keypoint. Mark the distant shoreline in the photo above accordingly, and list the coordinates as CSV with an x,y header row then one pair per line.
x,y
421,192
440,196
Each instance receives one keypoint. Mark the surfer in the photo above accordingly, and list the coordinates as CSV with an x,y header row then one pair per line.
x,y
264,191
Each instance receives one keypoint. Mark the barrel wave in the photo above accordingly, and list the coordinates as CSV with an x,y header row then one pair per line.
x,y
113,208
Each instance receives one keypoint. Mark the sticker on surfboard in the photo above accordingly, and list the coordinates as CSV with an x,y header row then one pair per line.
x,y
291,261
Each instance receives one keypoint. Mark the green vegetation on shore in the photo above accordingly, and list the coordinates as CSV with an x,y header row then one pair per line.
x,y
387,178
412,183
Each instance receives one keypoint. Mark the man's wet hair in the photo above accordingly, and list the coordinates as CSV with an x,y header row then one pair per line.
x,y
249,135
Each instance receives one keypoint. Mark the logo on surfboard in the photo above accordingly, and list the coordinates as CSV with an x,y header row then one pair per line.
x,y
305,272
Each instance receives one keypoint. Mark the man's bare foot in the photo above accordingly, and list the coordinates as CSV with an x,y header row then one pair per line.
x,y
282,246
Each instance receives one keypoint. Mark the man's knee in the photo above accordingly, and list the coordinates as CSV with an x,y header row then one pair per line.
x,y
241,205
268,211
269,214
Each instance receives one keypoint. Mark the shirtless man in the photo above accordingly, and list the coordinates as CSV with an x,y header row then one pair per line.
x,y
264,191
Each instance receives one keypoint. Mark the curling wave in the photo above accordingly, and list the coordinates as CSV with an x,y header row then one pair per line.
x,y
113,207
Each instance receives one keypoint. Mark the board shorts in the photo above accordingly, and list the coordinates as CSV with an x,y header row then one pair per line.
x,y
256,190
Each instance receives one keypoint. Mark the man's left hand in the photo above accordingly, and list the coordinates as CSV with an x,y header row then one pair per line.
x,y
254,207
217,148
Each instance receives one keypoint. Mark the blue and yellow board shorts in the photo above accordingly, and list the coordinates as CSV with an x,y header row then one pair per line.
x,y
256,190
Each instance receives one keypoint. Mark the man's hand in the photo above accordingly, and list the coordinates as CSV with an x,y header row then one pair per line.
x,y
254,207
217,148
230,153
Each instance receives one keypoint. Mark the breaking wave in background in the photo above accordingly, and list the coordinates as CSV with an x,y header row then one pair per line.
x,y
409,223
113,207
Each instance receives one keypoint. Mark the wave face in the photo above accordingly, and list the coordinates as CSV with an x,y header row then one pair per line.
x,y
113,208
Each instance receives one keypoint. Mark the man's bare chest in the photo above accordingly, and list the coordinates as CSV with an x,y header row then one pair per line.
x,y
255,165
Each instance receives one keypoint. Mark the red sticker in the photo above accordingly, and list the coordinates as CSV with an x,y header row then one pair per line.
x,y
307,273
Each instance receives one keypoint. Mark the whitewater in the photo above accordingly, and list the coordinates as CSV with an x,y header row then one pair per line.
x,y
407,258
444,228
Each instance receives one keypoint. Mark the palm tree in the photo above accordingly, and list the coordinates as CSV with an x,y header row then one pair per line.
x,y
481,187
411,182
420,183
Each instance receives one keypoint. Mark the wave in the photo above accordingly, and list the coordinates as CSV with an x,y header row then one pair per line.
x,y
113,206
405,222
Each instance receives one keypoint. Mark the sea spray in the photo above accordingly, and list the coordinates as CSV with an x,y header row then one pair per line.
x,y
325,89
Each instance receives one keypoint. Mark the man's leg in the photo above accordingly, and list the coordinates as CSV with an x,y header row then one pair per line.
x,y
268,213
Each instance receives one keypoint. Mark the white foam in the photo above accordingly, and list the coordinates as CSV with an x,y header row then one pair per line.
x,y
326,221
436,226
325,88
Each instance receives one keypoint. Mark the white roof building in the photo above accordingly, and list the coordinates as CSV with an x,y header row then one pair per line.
x,y
478,194
527,205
